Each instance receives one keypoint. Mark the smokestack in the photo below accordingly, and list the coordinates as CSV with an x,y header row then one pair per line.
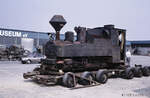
x,y
57,23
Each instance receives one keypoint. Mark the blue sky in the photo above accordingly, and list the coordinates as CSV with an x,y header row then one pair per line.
x,y
132,15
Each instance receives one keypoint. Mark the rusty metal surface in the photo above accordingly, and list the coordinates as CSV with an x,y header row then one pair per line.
x,y
57,22
95,48
94,43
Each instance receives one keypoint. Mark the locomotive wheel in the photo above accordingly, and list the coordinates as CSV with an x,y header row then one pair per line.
x,y
88,76
129,73
138,72
101,76
146,71
68,80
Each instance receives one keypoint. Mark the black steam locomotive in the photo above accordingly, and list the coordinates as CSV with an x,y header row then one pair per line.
x,y
95,55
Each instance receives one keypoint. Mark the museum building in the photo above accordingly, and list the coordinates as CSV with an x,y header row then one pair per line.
x,y
27,39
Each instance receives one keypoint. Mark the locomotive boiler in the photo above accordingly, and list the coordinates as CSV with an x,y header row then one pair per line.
x,y
89,57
